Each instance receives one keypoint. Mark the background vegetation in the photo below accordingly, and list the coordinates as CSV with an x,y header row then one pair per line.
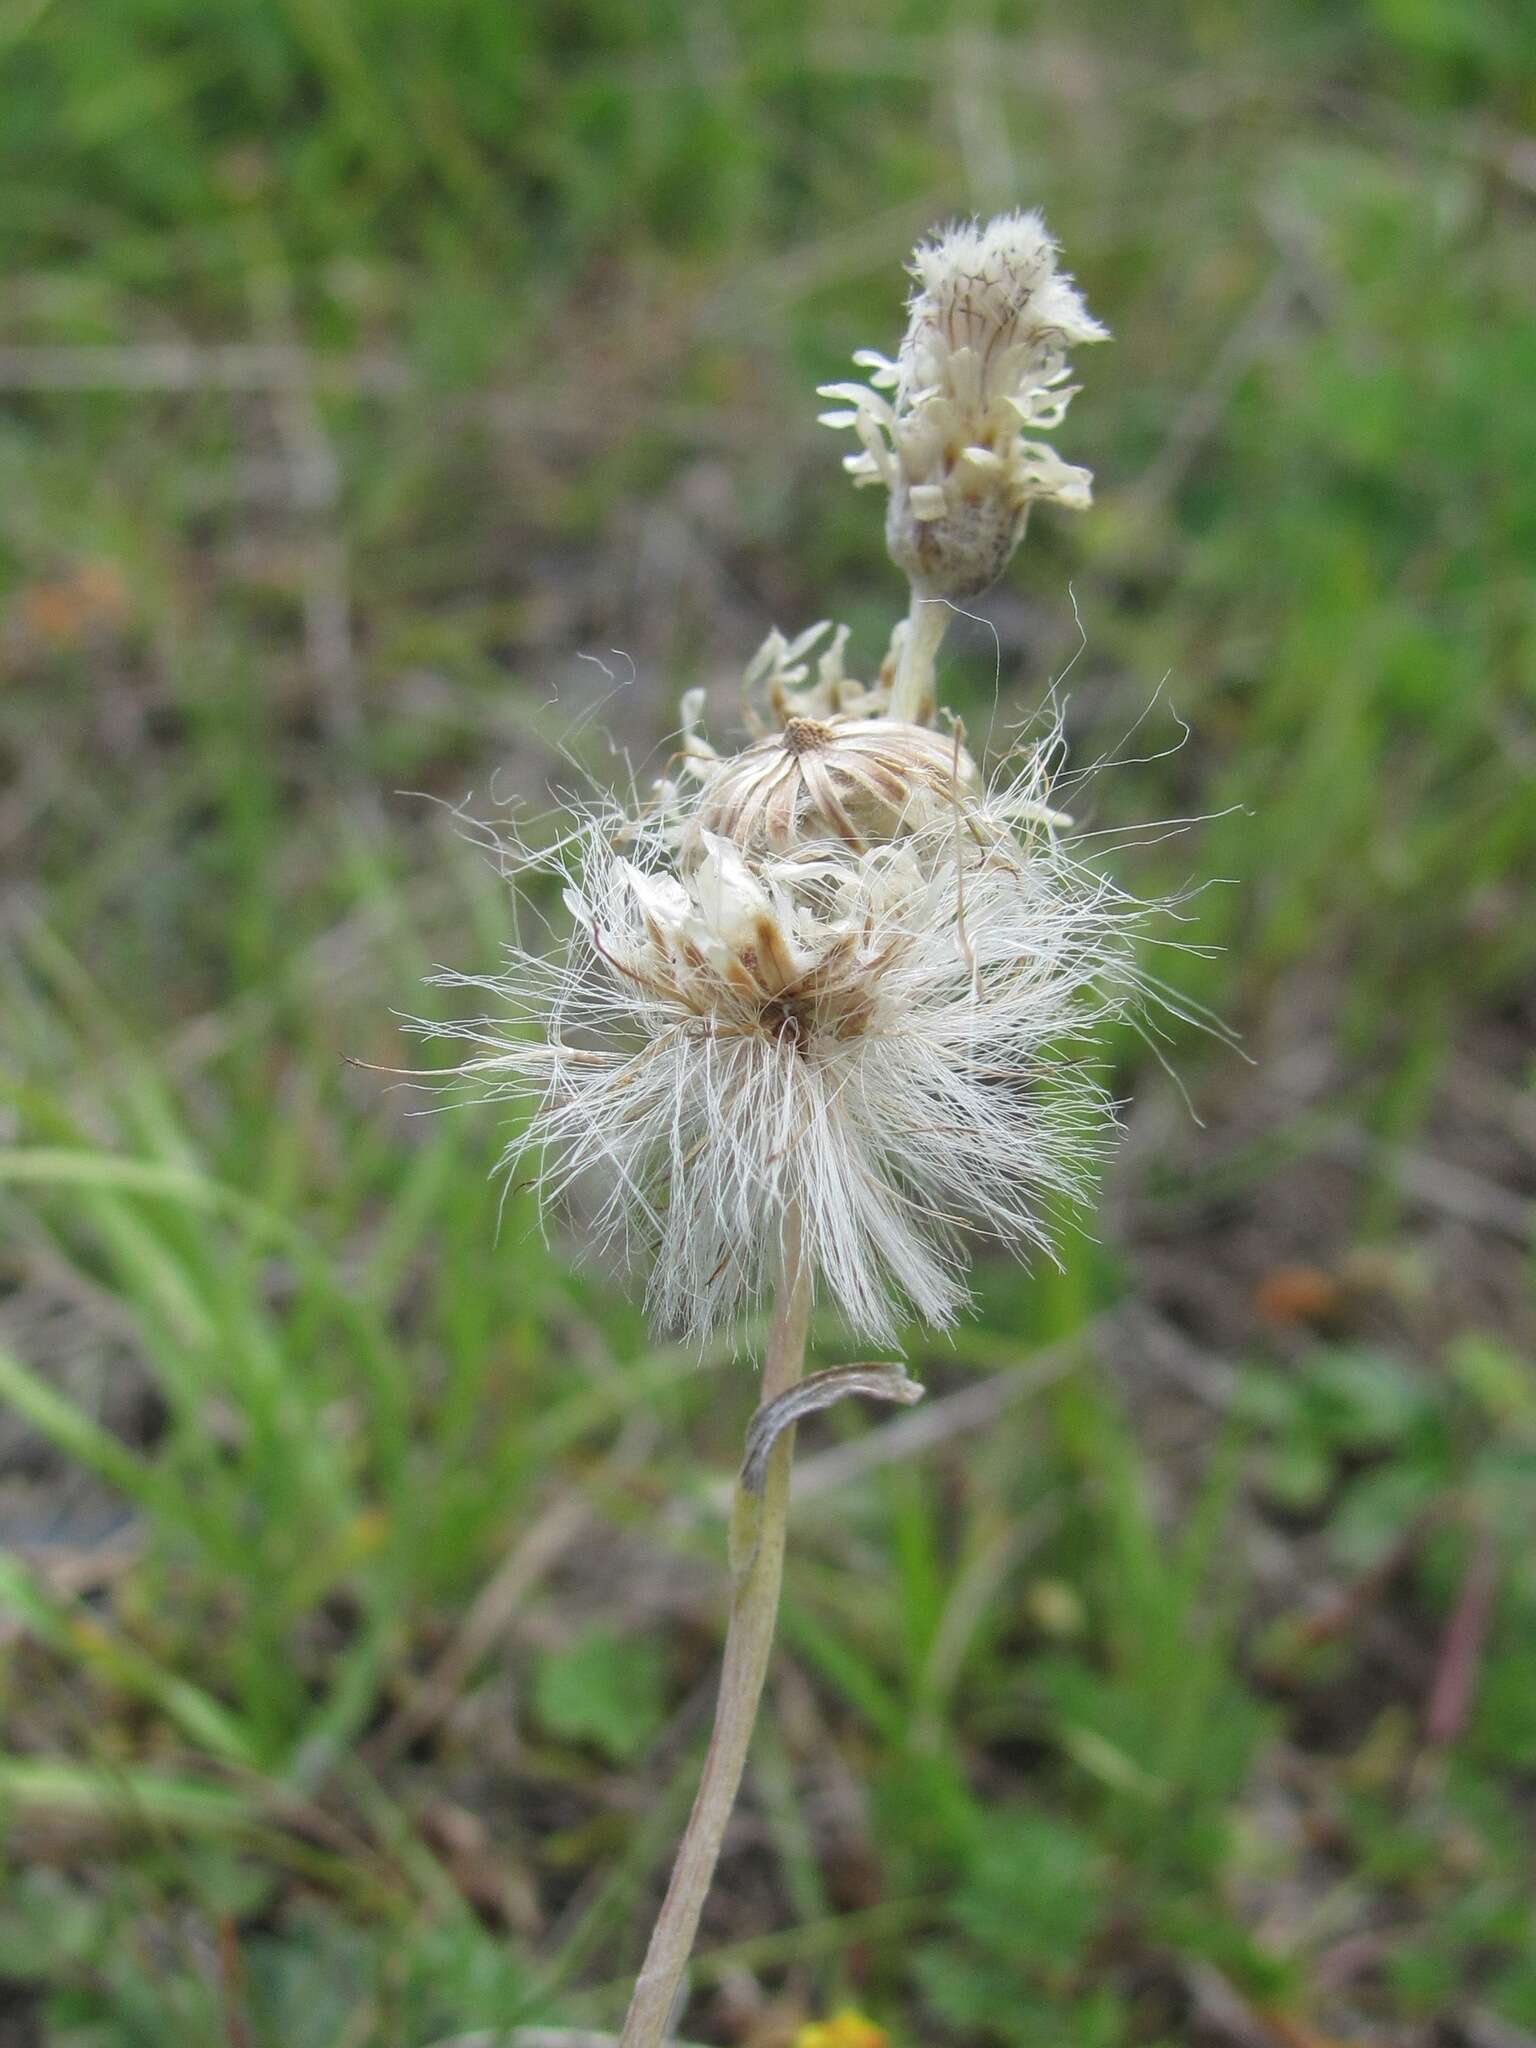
x,y
371,372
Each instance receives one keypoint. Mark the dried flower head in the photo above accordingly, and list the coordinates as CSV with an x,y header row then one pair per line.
x,y
828,762
867,1037
858,780
982,364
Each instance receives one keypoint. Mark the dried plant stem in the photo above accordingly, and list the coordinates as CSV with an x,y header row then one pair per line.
x,y
914,691
758,1526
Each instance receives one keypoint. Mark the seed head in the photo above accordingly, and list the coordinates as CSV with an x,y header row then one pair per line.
x,y
867,1036
860,781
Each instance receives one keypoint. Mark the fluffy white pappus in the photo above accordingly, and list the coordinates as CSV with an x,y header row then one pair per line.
x,y
874,1042
983,363
993,289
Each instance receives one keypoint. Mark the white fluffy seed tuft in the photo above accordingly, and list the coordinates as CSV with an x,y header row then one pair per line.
x,y
874,1040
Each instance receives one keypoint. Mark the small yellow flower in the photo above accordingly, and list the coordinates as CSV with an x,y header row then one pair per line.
x,y
846,2029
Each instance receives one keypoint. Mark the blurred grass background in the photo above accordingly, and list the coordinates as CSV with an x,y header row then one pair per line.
x,y
364,367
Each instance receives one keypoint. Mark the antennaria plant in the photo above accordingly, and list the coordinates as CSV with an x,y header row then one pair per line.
x,y
807,1030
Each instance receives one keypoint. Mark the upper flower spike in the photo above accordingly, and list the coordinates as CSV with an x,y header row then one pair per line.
x,y
984,357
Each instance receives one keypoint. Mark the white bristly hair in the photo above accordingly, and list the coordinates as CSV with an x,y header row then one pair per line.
x,y
874,1041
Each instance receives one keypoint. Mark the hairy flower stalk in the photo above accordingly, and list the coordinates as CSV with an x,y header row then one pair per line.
x,y
759,1527
809,1031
